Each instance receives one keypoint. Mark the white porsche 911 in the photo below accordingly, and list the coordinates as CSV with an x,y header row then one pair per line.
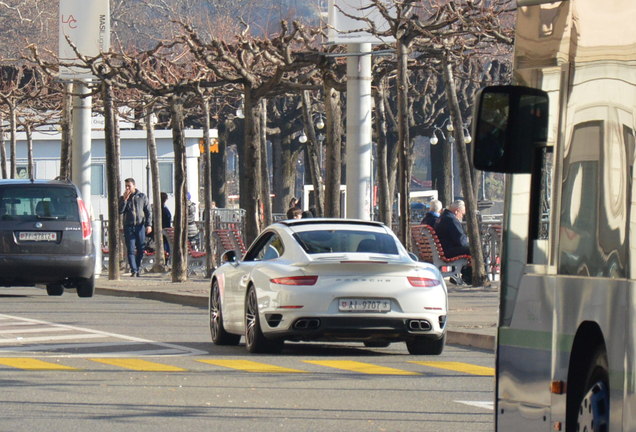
x,y
327,280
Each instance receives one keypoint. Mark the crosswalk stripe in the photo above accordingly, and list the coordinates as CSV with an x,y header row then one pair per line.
x,y
459,367
32,364
48,338
360,367
251,366
138,365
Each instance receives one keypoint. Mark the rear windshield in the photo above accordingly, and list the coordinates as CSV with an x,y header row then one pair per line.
x,y
34,203
327,241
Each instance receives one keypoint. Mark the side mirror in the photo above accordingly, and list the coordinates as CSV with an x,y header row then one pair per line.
x,y
229,257
413,256
511,123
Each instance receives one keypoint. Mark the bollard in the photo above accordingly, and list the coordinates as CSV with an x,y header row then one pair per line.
x,y
97,242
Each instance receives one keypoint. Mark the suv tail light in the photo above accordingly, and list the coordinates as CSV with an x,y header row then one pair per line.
x,y
87,228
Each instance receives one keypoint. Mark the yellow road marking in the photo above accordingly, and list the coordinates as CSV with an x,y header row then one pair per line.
x,y
251,366
459,367
32,364
361,367
138,364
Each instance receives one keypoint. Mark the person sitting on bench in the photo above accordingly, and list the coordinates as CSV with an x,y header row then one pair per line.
x,y
453,238
432,215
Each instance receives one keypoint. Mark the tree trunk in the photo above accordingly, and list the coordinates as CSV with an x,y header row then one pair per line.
x,y
207,189
284,157
13,171
312,153
385,202
441,167
29,138
479,270
3,151
250,189
111,149
266,219
179,250
157,211
404,174
333,151
67,126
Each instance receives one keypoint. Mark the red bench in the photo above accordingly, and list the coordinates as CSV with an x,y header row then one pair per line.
x,y
429,249
230,239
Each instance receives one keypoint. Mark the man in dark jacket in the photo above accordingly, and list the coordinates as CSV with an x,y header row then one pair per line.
x,y
134,207
452,236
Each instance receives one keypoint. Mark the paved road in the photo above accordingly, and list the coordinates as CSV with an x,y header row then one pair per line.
x,y
472,319
121,364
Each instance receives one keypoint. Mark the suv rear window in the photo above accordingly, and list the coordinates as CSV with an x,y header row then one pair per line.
x,y
22,203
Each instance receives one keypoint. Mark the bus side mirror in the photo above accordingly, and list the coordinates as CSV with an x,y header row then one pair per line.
x,y
511,123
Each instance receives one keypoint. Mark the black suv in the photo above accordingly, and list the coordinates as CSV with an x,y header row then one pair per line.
x,y
45,237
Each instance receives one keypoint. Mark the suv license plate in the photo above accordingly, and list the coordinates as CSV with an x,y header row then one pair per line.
x,y
364,305
43,236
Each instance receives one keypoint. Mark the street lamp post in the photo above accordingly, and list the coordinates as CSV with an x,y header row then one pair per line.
x,y
448,125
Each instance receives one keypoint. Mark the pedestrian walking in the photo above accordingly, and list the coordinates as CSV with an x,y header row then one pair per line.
x,y
135,208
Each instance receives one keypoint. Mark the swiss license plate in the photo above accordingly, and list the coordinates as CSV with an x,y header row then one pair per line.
x,y
43,236
364,305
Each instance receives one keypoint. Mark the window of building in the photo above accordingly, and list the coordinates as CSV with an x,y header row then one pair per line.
x,y
166,177
97,179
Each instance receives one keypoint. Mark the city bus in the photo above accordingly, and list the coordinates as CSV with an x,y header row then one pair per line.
x,y
564,135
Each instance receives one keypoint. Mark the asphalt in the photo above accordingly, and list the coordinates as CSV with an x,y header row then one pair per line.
x,y
472,316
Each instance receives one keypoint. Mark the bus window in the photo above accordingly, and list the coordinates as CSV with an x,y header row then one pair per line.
x,y
578,252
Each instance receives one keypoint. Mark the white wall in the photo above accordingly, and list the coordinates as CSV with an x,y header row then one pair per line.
x,y
134,159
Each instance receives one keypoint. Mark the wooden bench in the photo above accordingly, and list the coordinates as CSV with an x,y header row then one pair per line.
x,y
429,249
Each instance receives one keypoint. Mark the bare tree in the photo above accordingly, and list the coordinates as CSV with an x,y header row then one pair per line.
x,y
263,67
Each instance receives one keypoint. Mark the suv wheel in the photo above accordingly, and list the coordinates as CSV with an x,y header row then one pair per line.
x,y
86,287
55,289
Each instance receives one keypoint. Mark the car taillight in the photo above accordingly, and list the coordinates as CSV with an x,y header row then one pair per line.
x,y
295,280
87,228
422,282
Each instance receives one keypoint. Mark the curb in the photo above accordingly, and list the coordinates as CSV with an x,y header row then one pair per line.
x,y
182,299
466,339
473,340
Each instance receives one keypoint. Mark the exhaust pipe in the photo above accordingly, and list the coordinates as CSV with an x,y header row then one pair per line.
x,y
307,324
419,325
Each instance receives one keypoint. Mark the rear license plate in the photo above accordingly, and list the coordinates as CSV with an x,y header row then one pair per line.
x,y
43,236
364,305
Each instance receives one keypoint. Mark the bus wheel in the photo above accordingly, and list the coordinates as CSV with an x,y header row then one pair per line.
x,y
593,412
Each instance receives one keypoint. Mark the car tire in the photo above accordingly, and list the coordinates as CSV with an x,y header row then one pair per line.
x,y
592,399
377,344
55,289
217,331
426,346
86,287
255,341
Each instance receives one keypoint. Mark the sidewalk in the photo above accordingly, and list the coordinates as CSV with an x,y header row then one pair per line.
x,y
472,317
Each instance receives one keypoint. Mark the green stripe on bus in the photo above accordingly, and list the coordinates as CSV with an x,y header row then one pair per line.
x,y
532,339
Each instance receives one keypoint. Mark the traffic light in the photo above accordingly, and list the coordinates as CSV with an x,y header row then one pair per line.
x,y
214,145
